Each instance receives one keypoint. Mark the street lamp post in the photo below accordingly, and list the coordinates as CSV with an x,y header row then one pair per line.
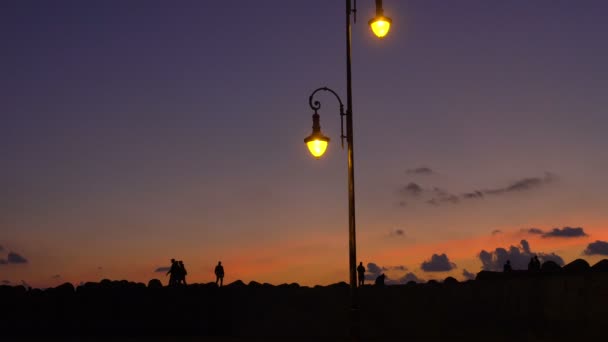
x,y
317,144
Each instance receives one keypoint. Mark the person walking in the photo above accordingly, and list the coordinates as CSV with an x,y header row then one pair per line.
x,y
361,273
219,274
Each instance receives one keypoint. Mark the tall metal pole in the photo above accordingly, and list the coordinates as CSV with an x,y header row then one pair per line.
x,y
352,255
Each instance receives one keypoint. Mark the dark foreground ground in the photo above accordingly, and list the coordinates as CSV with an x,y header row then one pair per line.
x,y
568,304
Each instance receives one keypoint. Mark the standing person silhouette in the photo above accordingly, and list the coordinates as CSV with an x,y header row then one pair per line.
x,y
361,273
536,263
219,274
182,273
173,270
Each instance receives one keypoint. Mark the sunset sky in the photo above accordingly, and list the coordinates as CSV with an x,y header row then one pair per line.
x,y
134,132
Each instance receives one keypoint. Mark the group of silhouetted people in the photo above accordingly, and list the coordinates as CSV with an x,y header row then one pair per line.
x,y
533,265
177,273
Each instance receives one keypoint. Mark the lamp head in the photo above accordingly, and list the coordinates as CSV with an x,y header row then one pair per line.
x,y
380,24
316,142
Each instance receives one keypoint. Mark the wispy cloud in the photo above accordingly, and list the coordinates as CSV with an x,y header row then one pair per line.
x,y
412,190
437,196
162,269
496,232
523,184
425,171
394,268
533,231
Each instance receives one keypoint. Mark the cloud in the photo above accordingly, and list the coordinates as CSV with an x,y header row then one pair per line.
x,y
496,231
1,248
410,277
397,233
394,268
436,196
518,255
426,171
3,262
566,232
438,263
523,184
532,231
412,189
597,248
441,196
56,276
162,269
372,271
468,275
473,195
14,258
6,282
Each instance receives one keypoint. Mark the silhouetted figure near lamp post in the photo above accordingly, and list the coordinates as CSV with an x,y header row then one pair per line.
x,y
219,274
507,267
361,273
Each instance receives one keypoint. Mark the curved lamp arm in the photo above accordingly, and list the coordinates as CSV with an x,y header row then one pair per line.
x,y
316,105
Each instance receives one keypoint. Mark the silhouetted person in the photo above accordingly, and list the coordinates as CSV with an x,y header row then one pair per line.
x,y
507,267
361,273
380,280
532,265
219,274
181,278
173,271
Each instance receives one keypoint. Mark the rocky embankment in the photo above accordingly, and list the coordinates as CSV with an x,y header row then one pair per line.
x,y
569,303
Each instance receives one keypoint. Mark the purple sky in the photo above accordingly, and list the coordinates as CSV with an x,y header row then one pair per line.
x,y
137,131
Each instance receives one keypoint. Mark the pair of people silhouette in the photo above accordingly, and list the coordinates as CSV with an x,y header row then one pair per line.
x,y
219,274
534,264
177,273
